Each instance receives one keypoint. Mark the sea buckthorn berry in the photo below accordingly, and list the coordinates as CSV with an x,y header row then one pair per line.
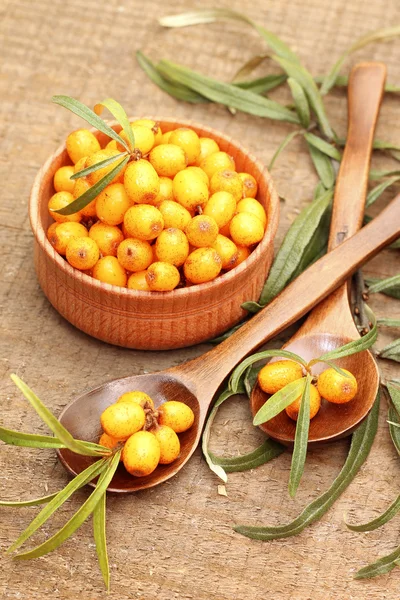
x,y
172,246
165,192
81,186
170,446
143,222
225,230
162,277
250,186
155,128
202,265
275,375
217,161
293,409
221,206
108,442
107,237
168,159
177,415
80,165
141,182
108,270
227,181
51,230
335,387
174,214
82,253
139,397
189,189
200,173
112,204
137,281
144,138
246,229
252,206
227,251
202,231
112,145
141,454
62,179
81,143
134,255
64,233
94,159
207,146
61,200
122,419
243,252
189,141
165,137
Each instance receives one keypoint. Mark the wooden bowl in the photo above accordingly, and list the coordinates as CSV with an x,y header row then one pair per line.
x,y
152,320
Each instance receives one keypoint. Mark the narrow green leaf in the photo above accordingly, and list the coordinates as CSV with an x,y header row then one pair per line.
x,y
343,81
394,393
250,378
378,190
300,440
79,517
79,481
381,566
323,146
361,443
300,102
383,145
88,115
389,286
317,246
215,468
394,427
251,307
262,85
294,246
52,423
248,67
279,401
29,440
34,502
97,166
319,190
92,192
285,142
235,379
120,115
99,532
389,322
391,351
333,366
323,166
375,174
379,521
261,455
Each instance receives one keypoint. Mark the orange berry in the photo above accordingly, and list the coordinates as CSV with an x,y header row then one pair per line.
x,y
62,179
82,253
176,415
293,409
64,233
335,387
108,270
141,454
165,192
242,254
275,375
227,181
250,187
107,237
189,189
227,251
134,255
174,214
138,397
112,145
202,265
246,229
141,182
207,146
168,159
162,277
188,140
112,203
155,128
172,246
170,446
81,143
202,231
81,186
221,206
94,159
108,442
252,206
217,161
144,138
143,222
80,165
61,200
122,419
137,281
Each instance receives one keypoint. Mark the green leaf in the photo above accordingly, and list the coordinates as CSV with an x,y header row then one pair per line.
x,y
180,92
383,285
378,190
227,94
23,503
92,193
261,455
235,379
394,427
337,369
383,145
248,67
251,307
381,566
391,351
279,401
389,322
323,146
323,166
285,142
343,81
29,440
394,393
262,85
79,481
300,440
88,115
317,246
120,115
97,166
379,521
375,174
374,36
361,443
79,517
300,102
52,423
294,246
250,378
99,532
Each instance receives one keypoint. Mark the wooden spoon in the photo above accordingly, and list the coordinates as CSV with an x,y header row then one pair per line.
x,y
331,323
196,381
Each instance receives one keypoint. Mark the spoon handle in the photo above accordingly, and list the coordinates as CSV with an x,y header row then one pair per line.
x,y
308,289
365,91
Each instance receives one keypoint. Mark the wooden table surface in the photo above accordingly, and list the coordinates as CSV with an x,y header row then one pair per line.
x,y
175,541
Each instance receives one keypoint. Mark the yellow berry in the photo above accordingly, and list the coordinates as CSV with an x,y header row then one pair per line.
x,y
80,165
202,265
138,397
141,182
137,281
200,173
189,190
227,181
81,186
252,206
246,229
217,161
81,143
250,186
62,179
275,375
207,146
202,231
172,246
143,222
168,159
107,237
188,140
108,270
122,419
165,192
176,415
221,206
108,442
141,454
227,251
335,387
293,409
94,159
64,233
242,254
155,128
165,137
112,204
82,253
144,138
162,277
174,214
134,255
112,145
170,446
61,200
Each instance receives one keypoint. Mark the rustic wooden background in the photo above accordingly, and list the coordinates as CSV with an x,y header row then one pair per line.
x,y
175,541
